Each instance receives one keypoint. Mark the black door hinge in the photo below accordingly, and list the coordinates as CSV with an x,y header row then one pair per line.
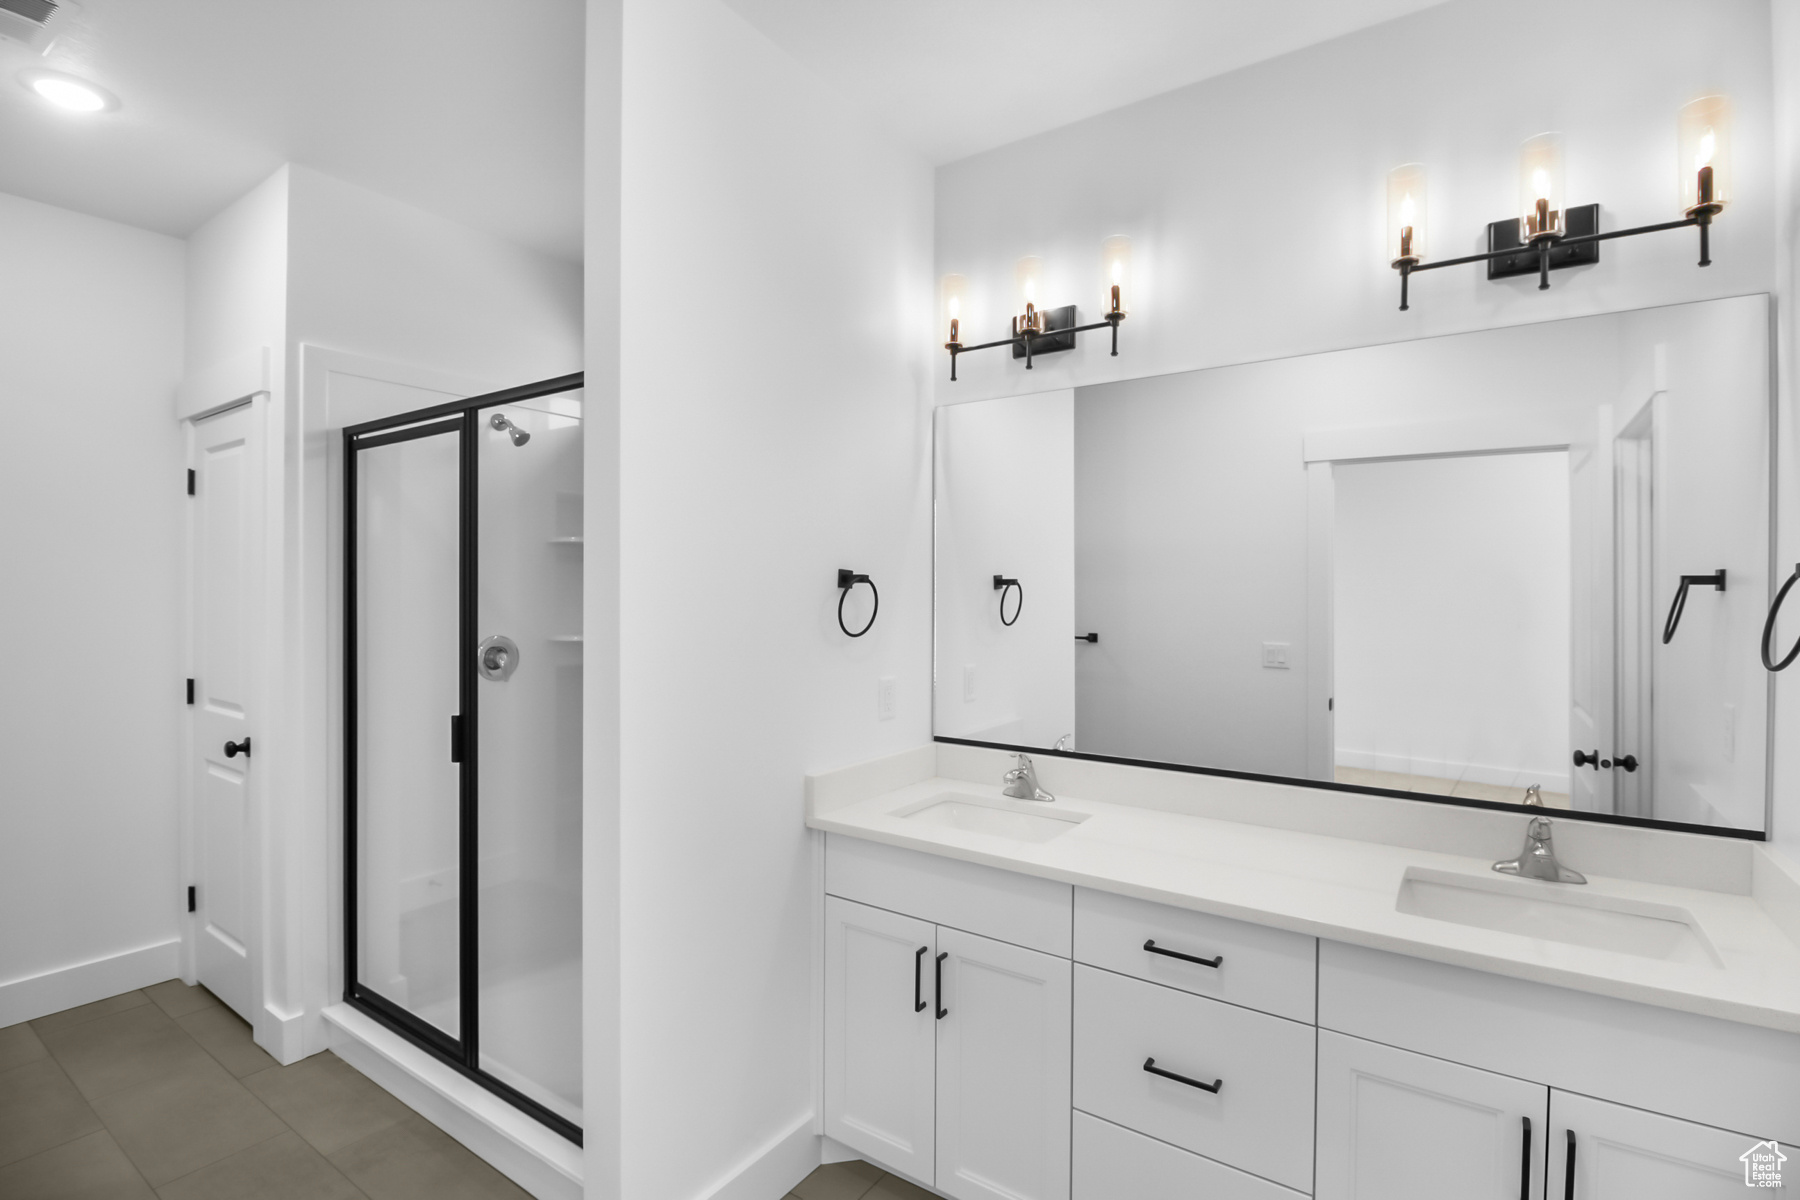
x,y
190,691
190,897
190,481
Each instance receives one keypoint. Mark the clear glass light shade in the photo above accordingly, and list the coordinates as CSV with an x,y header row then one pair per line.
x,y
1541,181
1704,153
1115,274
1030,276
953,292
1406,213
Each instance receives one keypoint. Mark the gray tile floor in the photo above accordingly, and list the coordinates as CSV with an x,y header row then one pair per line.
x,y
161,1093
856,1181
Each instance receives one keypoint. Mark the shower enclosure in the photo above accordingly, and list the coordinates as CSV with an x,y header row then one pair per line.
x,y
462,737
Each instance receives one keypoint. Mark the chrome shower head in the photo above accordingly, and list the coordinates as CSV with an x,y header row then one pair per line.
x,y
519,436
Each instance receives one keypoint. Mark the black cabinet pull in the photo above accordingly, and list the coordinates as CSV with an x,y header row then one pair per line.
x,y
233,749
1569,1168
1525,1163
1152,947
918,961
1150,1066
942,1012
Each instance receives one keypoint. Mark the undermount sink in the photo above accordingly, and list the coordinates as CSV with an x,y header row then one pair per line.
x,y
1017,820
1557,912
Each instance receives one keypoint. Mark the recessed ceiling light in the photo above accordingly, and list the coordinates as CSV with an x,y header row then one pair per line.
x,y
68,92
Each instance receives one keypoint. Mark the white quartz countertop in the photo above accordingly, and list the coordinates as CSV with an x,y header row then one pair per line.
x,y
1346,890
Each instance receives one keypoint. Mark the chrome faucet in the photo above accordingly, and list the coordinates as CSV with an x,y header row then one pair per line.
x,y
1022,782
1537,860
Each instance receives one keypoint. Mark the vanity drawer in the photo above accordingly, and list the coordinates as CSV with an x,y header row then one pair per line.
x,y
1261,1118
1003,905
1268,969
1113,1163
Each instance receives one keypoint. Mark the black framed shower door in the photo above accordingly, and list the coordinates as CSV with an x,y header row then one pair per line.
x,y
442,449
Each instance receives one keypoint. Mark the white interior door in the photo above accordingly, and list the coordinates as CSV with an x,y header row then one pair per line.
x,y
1591,612
228,475
1394,1125
1003,1071
1628,1154
880,971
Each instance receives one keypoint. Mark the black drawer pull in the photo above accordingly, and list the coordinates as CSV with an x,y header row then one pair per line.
x,y
942,1012
1569,1169
1525,1163
1150,1066
1152,947
918,960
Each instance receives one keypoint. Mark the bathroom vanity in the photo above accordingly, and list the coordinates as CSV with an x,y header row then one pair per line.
x,y
1166,985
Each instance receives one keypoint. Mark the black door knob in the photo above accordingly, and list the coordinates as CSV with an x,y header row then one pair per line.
x,y
1629,762
1588,758
233,749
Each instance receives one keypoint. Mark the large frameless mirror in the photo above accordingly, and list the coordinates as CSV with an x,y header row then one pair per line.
x,y
1518,565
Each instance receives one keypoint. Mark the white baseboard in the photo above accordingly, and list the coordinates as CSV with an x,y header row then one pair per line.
x,y
525,1151
67,987
785,1160
282,1036
1519,777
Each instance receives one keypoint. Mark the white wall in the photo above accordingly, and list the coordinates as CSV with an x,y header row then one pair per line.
x,y
1005,504
1451,606
90,353
775,300
1257,200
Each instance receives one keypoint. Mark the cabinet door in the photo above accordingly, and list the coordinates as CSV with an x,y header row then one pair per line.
x,y
1003,1071
1629,1154
1394,1125
879,1034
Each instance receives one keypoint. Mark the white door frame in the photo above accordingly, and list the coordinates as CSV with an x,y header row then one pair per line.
x,y
1321,448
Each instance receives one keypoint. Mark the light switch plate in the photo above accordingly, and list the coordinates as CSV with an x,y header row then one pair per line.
x,y
884,698
1275,655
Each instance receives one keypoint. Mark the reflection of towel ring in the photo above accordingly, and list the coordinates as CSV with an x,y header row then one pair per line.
x,y
1715,580
846,581
1769,626
1001,584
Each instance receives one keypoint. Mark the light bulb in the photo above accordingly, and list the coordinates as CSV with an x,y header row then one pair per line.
x,y
69,93
1704,157
1540,183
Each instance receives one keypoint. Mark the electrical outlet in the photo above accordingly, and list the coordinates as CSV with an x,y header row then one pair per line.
x,y
969,684
884,698
1275,655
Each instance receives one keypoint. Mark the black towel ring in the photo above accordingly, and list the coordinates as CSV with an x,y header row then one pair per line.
x,y
1715,580
846,581
1001,584
1769,626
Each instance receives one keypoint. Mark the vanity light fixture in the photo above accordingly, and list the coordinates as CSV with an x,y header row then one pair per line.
x,y
1036,329
1548,234
67,92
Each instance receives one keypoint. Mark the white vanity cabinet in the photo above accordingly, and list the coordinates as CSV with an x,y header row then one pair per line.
x,y
947,1051
1395,1125
1623,1153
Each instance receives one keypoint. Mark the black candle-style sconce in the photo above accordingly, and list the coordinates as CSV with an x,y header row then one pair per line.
x,y
1679,604
1003,585
847,579
1036,330
1549,236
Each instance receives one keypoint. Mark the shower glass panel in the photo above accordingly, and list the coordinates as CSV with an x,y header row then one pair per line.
x,y
528,591
463,668
407,830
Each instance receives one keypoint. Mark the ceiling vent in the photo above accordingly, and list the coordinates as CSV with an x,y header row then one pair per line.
x,y
29,21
